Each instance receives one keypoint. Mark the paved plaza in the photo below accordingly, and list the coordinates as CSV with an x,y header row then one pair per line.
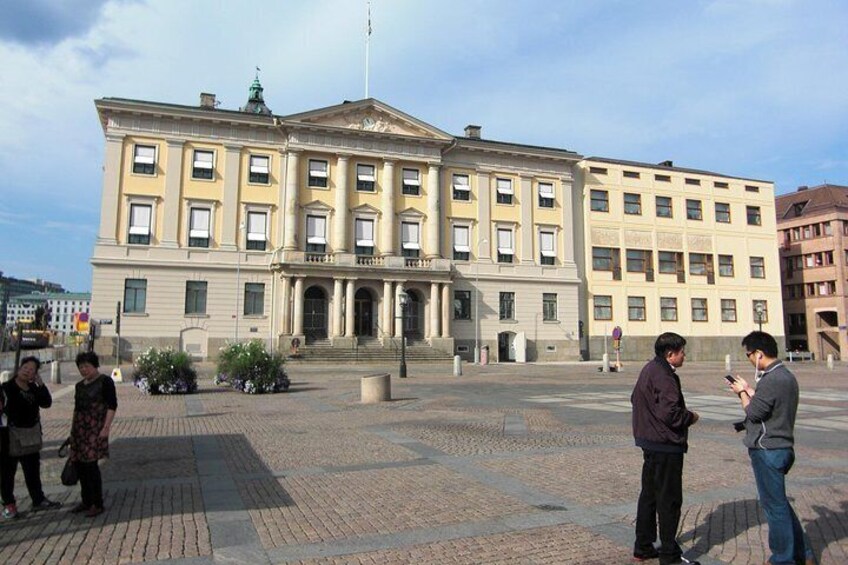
x,y
505,464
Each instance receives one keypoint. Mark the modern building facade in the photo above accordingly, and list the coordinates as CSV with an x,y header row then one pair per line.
x,y
665,248
813,233
60,306
11,287
326,226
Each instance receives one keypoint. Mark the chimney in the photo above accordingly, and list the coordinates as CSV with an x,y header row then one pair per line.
x,y
802,188
472,132
666,164
207,101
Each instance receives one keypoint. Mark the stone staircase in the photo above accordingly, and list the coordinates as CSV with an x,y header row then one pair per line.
x,y
370,350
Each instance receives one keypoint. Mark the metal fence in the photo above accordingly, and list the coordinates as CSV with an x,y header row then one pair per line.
x,y
46,355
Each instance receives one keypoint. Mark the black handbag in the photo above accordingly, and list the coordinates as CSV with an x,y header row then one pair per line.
x,y
24,441
69,471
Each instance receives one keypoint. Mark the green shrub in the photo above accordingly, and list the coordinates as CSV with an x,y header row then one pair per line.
x,y
165,371
250,368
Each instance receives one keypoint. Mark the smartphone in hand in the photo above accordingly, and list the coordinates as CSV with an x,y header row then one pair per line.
x,y
730,378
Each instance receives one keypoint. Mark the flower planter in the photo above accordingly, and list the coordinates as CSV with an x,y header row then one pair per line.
x,y
249,368
164,371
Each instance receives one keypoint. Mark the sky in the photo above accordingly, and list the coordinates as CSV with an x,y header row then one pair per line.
x,y
754,88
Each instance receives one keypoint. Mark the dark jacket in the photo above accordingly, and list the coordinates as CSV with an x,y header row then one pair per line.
x,y
770,417
660,418
22,407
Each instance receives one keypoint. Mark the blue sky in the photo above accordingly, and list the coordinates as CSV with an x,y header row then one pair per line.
x,y
749,88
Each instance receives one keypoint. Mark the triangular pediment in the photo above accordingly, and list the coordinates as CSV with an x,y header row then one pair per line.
x,y
366,209
411,213
317,206
368,115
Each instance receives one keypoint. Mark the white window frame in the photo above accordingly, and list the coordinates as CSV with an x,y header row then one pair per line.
x,y
411,182
316,237
142,201
211,205
502,250
458,247
254,236
259,169
547,193
460,187
193,231
145,160
552,232
203,164
366,177
318,173
412,243
357,242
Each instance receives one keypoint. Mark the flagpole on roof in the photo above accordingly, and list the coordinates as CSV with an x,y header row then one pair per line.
x,y
367,46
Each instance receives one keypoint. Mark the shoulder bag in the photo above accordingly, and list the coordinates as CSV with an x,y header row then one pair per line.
x,y
24,441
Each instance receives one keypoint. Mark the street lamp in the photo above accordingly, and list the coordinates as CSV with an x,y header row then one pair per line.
x,y
404,301
760,310
477,302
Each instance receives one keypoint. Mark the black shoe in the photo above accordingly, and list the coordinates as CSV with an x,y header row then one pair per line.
x,y
645,555
46,505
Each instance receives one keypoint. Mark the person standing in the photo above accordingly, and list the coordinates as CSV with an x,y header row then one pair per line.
x,y
95,403
770,412
661,427
24,396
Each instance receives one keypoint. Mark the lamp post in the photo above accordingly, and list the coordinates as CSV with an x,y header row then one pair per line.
x,y
759,309
238,278
404,301
477,302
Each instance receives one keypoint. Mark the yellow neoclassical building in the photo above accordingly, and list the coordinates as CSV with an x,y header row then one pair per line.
x,y
665,248
322,228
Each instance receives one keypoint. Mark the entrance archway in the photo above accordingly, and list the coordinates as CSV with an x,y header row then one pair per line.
x,y
315,313
363,313
506,347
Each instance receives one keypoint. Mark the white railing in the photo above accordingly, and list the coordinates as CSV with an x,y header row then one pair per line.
x,y
418,263
369,261
318,258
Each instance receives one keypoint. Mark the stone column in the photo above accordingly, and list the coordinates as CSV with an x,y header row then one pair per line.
x,y
526,228
285,307
110,199
171,203
484,216
350,315
447,310
387,224
388,320
277,242
342,214
433,213
399,311
338,296
568,240
435,310
230,206
292,182
298,306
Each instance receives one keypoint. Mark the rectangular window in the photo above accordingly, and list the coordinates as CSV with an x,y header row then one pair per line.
x,y
198,227
693,182
664,209
631,175
636,308
411,182
364,237
144,159
547,250
316,234
722,212
507,306
410,239
254,299
602,259
725,266
698,264
751,188
662,178
135,296
600,200
638,260
760,309
462,305
461,187
546,195
318,173
365,178
798,324
827,229
461,247
754,217
505,248
140,224
260,169
718,184
203,166
693,210
758,267
668,309
699,309
728,310
549,307
195,297
504,191
668,262
632,204
597,170
257,230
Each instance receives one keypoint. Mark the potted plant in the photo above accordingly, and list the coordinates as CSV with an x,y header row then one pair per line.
x,y
164,371
250,368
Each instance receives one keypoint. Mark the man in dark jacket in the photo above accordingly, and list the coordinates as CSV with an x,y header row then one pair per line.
x,y
660,427
770,438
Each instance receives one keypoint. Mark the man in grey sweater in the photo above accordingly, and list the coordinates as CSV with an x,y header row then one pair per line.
x,y
769,436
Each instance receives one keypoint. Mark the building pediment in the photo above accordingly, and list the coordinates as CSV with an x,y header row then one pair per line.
x,y
412,213
367,116
317,206
366,209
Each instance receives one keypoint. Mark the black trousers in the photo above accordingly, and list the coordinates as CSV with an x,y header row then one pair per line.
x,y
91,485
661,498
31,464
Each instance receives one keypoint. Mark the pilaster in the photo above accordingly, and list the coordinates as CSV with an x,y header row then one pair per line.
x,y
292,170
484,217
527,228
298,306
433,213
110,200
342,213
338,297
229,209
435,310
349,307
387,223
173,185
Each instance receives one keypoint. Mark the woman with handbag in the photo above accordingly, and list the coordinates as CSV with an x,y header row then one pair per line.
x,y
95,403
20,440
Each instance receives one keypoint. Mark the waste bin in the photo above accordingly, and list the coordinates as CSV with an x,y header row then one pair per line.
x,y
484,355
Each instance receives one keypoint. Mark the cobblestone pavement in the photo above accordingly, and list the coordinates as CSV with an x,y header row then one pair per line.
x,y
506,464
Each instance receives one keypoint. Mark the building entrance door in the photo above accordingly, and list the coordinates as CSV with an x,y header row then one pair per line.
x,y
363,319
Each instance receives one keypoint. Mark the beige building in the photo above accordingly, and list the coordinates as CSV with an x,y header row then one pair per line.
x,y
813,224
665,248
222,225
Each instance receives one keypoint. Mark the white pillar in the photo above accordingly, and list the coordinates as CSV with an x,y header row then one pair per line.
x,y
435,310
230,205
171,202
285,307
433,214
526,230
338,296
349,307
298,306
292,175
342,214
398,311
484,215
387,322
109,203
447,308
387,224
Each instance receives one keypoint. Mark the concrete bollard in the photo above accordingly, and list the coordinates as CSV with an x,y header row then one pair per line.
x,y
830,361
55,373
5,376
727,366
375,388
606,365
457,366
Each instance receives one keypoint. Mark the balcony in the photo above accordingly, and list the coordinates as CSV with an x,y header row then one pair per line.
x,y
354,262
